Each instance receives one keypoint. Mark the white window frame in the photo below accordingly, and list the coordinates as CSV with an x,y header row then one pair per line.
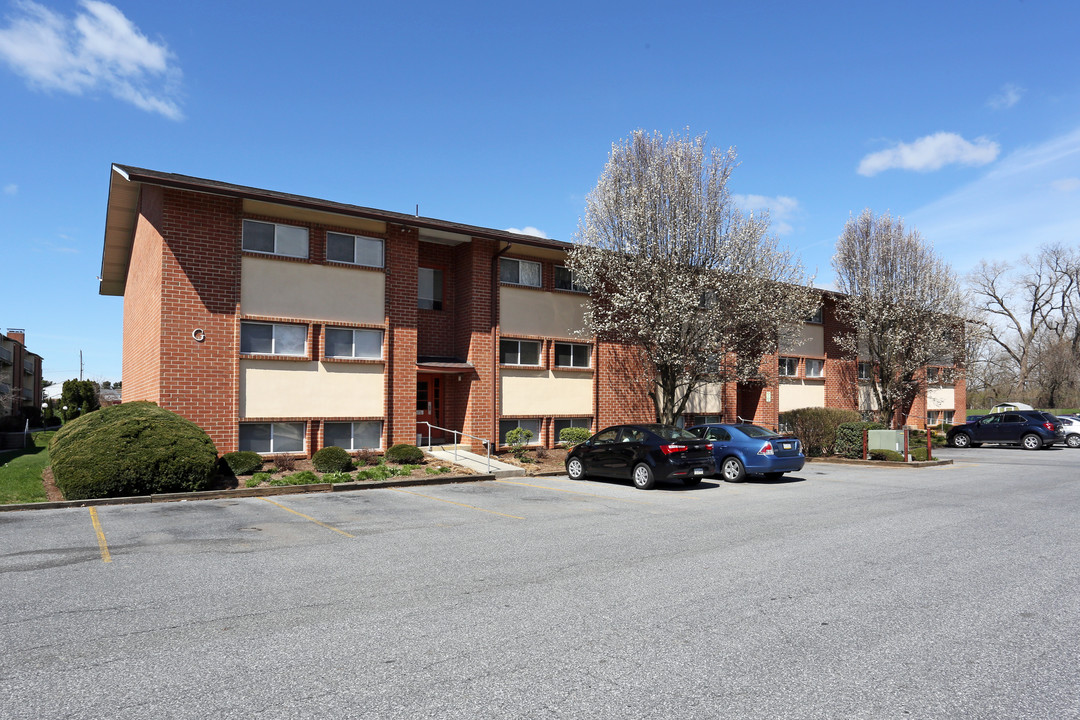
x,y
534,424
865,371
357,240
277,227
815,363
817,317
574,286
539,352
354,332
273,338
788,367
430,302
273,450
353,446
505,262
574,347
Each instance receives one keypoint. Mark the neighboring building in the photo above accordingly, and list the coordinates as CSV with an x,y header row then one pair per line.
x,y
20,377
282,323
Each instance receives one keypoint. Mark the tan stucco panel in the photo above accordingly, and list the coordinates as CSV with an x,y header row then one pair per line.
x,y
867,399
274,288
795,394
535,312
940,399
706,400
271,388
810,341
546,392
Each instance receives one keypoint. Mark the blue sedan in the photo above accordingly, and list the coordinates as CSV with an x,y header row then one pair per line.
x,y
750,449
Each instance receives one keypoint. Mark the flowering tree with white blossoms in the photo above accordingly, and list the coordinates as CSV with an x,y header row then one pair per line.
x,y
903,305
679,272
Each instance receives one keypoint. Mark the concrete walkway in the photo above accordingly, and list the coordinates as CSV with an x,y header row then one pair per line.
x,y
473,461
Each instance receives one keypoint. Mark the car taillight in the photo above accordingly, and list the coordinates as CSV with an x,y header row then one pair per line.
x,y
668,449
766,449
1049,426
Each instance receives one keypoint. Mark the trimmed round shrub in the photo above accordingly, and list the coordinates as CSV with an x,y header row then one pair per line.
x,y
890,455
404,453
331,459
136,448
571,436
243,462
918,453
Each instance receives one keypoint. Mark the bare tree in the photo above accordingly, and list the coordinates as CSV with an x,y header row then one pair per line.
x,y
678,272
902,305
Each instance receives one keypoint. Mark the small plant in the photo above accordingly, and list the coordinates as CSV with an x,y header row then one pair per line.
x,y
379,472
286,463
368,457
571,436
518,440
331,459
243,462
404,453
437,470
304,477
253,481
541,452
337,477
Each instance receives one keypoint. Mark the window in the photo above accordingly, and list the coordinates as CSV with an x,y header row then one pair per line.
x,y
815,368
566,279
865,371
563,423
532,426
354,249
815,317
430,289
281,437
519,352
707,419
353,343
273,338
365,435
519,272
275,239
789,367
572,355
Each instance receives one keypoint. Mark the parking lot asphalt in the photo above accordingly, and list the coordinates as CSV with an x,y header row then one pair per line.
x,y
840,591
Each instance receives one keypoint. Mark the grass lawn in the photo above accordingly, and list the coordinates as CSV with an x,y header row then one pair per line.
x,y
20,471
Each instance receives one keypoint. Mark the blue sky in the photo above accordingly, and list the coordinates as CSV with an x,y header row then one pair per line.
x,y
962,117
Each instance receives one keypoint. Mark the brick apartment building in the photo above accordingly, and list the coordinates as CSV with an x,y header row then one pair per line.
x,y
282,323
20,379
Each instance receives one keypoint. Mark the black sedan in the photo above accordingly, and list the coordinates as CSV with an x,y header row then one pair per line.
x,y
645,454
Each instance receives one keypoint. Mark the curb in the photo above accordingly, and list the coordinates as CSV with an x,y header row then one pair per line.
x,y
881,463
247,492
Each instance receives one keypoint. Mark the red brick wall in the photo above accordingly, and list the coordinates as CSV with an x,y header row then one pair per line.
x,y
476,333
401,336
436,333
621,386
142,303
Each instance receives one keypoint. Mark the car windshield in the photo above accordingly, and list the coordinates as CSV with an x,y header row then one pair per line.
x,y
755,431
670,432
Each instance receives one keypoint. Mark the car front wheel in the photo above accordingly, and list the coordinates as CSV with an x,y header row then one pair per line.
x,y
960,440
732,470
643,477
1031,442
575,469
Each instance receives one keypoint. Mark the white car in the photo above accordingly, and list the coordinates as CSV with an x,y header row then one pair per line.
x,y
1071,427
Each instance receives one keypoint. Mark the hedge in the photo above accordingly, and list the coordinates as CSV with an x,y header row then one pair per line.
x,y
849,437
816,427
243,462
136,448
404,454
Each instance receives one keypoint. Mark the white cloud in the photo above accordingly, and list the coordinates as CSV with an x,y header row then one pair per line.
x,y
1066,185
782,209
97,49
931,153
11,189
528,230
1005,98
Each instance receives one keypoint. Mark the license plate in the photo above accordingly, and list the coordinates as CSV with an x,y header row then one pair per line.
x,y
788,446
699,471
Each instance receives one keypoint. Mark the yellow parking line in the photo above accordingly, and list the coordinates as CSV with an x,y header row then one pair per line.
x,y
431,497
575,492
105,556
308,517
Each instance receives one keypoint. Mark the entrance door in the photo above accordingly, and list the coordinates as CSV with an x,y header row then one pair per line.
x,y
747,400
429,406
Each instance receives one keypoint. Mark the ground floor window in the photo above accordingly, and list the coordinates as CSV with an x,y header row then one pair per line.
x,y
279,437
707,419
937,417
561,423
362,435
532,425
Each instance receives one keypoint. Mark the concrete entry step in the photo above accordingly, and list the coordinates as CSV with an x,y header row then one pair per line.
x,y
471,460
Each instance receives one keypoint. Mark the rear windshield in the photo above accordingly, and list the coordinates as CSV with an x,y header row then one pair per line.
x,y
1048,417
670,432
755,432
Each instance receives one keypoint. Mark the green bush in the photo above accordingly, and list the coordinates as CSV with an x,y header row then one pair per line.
x,y
518,440
304,477
136,448
890,455
849,437
918,453
404,453
243,462
571,436
331,459
816,427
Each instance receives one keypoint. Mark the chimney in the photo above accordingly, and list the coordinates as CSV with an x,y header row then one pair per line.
x,y
18,335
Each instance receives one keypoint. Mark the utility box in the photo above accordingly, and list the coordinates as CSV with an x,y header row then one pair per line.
x,y
885,440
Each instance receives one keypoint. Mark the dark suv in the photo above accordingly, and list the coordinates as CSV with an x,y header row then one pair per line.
x,y
1031,429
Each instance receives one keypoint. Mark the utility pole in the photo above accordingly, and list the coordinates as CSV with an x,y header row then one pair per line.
x,y
80,366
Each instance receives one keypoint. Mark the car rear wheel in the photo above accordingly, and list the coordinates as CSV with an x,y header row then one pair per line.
x,y
732,470
960,440
643,477
1073,440
575,469
1031,441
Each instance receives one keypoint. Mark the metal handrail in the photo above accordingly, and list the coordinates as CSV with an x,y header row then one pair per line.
x,y
487,443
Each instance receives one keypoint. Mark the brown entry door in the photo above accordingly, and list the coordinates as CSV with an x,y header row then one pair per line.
x,y
428,405
747,401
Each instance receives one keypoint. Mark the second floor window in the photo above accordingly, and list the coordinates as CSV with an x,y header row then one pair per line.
x,y
566,279
571,355
865,371
789,367
519,272
353,343
273,339
815,368
354,249
519,352
430,291
275,239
